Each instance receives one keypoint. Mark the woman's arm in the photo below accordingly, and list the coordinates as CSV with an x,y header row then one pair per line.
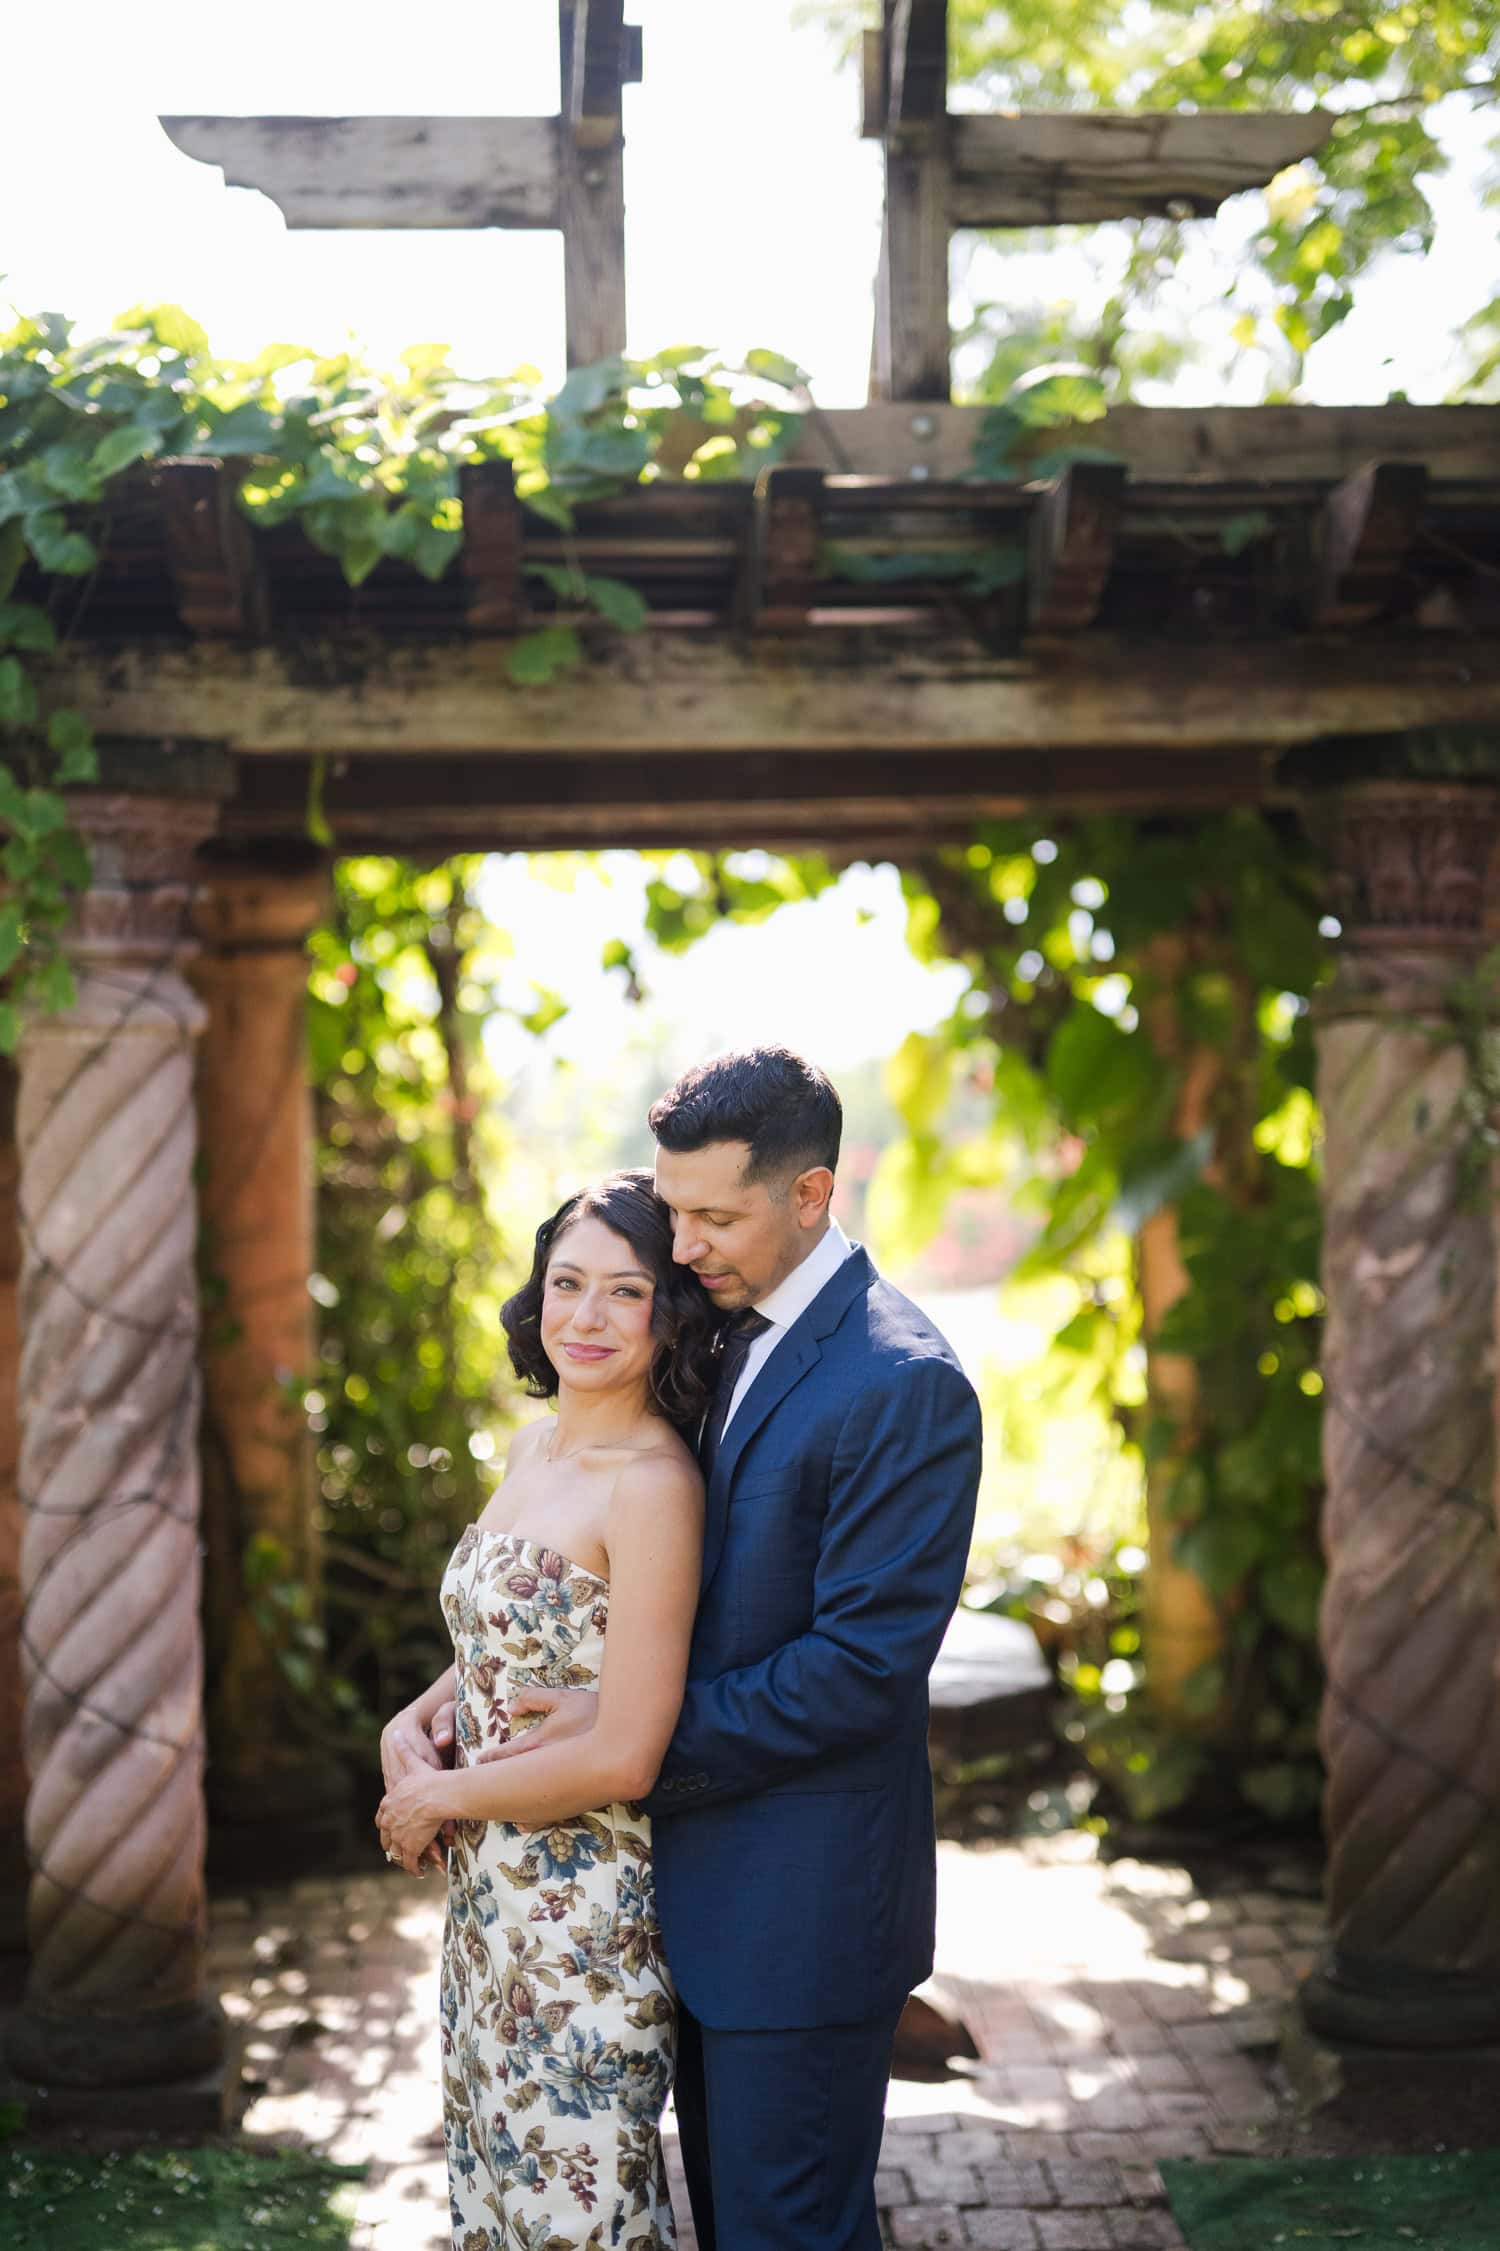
x,y
407,1740
654,1538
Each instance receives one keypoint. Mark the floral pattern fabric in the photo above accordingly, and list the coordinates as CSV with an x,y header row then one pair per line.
x,y
558,2015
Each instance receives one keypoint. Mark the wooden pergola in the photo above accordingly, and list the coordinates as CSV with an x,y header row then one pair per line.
x,y
1233,588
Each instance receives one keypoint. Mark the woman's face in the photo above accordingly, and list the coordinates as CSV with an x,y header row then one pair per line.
x,y
596,1309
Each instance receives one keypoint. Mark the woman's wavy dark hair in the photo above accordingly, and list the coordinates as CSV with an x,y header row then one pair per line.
x,y
682,1318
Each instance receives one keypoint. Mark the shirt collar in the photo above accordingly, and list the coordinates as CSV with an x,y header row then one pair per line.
x,y
792,1297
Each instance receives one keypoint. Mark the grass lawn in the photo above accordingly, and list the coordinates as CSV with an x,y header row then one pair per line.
x,y
215,2198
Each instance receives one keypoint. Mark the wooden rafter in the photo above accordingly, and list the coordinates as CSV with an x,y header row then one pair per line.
x,y
1361,541
221,591
388,171
916,73
1072,545
494,538
564,172
1036,170
785,538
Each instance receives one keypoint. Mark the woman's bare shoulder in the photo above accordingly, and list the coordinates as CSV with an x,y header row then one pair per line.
x,y
665,1475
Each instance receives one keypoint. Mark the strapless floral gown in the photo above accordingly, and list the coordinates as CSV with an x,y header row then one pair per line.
x,y
558,2016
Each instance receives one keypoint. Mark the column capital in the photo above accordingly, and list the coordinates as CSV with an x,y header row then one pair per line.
x,y
262,903
142,848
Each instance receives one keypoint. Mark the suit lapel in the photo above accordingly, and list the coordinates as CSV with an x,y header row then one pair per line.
x,y
798,1351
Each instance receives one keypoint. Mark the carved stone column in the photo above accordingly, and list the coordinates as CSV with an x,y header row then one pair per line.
x,y
12,1764
271,1787
1411,1617
109,1477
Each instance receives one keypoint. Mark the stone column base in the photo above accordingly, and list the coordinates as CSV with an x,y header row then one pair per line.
x,y
149,2048
1361,2002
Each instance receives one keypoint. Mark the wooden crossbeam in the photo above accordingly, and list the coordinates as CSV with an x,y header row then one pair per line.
x,y
221,593
388,171
1361,541
785,538
857,690
1245,445
494,541
1071,546
1036,170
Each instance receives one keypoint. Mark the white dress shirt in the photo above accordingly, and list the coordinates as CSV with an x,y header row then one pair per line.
x,y
787,1301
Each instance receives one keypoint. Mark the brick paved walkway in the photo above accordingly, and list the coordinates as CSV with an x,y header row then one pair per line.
x,y
1121,2017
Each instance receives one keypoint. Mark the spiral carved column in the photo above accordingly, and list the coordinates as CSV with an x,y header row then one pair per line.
x,y
273,1793
109,1478
1411,1615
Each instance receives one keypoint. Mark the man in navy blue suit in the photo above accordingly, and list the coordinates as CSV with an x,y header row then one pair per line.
x,y
792,1817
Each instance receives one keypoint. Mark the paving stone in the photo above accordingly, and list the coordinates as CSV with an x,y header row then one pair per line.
x,y
892,2188
927,2227
970,2145
1079,2183
1145,2231
1016,2183
934,2183
1142,2182
1001,2231
1072,2231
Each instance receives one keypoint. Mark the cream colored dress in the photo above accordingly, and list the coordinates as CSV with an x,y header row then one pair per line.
x,y
558,2015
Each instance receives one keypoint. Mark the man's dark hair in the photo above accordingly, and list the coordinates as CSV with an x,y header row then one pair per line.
x,y
682,1316
778,1102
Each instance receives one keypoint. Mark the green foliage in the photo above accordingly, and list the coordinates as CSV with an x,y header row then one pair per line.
x,y
406,1407
1382,67
366,462
1137,1012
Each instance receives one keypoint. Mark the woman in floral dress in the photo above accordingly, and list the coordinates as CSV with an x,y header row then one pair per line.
x,y
557,2009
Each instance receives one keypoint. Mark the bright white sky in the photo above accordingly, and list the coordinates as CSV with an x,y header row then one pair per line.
x,y
753,218
753,205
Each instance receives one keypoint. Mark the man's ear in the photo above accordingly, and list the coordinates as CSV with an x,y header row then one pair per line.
x,y
811,1191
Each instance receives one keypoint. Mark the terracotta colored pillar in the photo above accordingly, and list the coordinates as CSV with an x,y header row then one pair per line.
x,y
272,1787
1411,1616
12,1765
109,1477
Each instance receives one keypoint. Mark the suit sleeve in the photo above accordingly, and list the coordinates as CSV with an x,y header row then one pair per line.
x,y
890,1568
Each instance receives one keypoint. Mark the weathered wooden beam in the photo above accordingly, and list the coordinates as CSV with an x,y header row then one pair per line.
x,y
494,540
211,555
448,804
855,689
593,224
785,538
388,171
600,53
872,95
1039,169
1361,540
912,340
1167,445
1071,546
916,71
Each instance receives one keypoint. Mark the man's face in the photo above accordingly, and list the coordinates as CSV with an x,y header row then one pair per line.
x,y
739,1240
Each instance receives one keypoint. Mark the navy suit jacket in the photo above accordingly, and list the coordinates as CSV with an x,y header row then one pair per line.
x,y
792,1817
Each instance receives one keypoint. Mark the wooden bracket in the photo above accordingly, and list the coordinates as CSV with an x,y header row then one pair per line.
x,y
1071,546
785,540
494,542
916,69
600,53
1360,542
211,555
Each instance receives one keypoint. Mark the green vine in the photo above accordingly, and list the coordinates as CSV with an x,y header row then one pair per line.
x,y
365,462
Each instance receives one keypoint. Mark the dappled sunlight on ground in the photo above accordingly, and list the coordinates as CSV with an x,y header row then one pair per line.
x,y
1121,2014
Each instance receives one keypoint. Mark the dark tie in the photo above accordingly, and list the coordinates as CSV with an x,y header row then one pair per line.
x,y
739,1335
